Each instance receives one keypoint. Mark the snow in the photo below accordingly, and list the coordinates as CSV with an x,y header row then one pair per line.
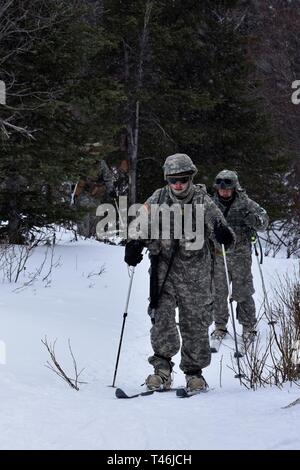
x,y
40,411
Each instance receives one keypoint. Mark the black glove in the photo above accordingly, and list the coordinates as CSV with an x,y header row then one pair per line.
x,y
223,234
133,252
250,219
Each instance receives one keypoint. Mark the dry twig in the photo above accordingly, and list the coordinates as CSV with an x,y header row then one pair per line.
x,y
57,369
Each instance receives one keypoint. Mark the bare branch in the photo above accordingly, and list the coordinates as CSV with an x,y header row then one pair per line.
x,y
293,403
22,130
57,368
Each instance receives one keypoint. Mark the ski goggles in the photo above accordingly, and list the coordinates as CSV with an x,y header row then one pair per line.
x,y
225,182
178,179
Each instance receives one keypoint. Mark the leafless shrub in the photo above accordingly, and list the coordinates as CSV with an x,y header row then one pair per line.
x,y
275,360
256,365
57,368
14,259
99,273
286,331
221,369
282,236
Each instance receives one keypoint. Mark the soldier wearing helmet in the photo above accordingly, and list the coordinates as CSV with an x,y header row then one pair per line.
x,y
245,217
180,277
92,188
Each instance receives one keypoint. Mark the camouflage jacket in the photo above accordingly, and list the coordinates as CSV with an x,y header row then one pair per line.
x,y
96,181
236,216
207,214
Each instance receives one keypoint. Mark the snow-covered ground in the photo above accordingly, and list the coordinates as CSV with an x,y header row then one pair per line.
x,y
40,411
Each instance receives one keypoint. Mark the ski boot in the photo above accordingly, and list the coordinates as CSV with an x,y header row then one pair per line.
x,y
162,378
195,382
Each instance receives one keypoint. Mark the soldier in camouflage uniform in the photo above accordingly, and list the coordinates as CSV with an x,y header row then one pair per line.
x,y
245,217
184,279
91,189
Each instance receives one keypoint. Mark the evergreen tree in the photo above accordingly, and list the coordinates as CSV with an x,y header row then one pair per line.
x,y
52,103
185,64
145,78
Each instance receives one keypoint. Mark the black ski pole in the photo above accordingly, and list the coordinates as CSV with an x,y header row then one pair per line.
x,y
237,353
254,240
123,325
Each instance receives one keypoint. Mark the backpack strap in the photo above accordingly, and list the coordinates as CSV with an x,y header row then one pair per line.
x,y
162,195
200,191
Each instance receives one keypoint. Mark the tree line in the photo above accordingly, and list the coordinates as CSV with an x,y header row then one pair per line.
x,y
145,78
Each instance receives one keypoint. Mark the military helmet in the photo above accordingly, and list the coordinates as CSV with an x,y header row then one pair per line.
x,y
227,179
94,148
179,163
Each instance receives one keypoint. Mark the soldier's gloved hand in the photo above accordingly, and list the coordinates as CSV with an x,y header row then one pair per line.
x,y
133,252
223,234
251,219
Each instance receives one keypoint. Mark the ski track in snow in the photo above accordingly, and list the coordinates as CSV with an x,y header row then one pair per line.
x,y
39,411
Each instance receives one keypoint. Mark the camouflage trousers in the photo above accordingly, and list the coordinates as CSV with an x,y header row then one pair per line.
x,y
88,223
86,227
239,270
194,301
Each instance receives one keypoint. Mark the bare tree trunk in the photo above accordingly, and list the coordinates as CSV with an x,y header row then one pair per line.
x,y
134,127
133,155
